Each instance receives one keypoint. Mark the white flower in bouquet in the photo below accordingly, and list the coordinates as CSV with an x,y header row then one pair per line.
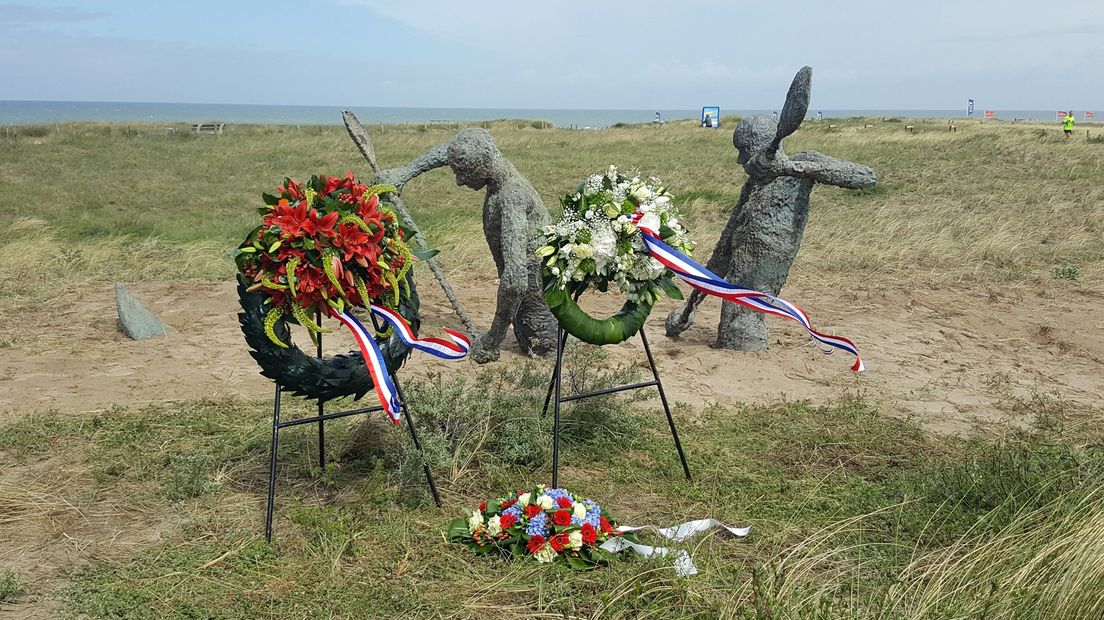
x,y
583,250
523,499
579,510
545,502
545,554
475,521
494,525
575,539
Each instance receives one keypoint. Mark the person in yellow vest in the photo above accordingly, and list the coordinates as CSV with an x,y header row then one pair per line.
x,y
1067,125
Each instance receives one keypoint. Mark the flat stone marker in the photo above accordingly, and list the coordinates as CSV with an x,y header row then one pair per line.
x,y
135,320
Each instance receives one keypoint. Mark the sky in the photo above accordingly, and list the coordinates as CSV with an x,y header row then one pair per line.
x,y
616,54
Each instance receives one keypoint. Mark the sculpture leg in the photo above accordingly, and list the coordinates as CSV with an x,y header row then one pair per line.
x,y
741,329
534,326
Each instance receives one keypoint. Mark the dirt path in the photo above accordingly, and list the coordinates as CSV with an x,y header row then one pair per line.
x,y
949,356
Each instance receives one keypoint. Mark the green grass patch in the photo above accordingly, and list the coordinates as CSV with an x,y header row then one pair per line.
x,y
10,587
852,513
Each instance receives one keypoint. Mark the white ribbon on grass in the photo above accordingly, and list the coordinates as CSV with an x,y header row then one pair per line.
x,y
684,566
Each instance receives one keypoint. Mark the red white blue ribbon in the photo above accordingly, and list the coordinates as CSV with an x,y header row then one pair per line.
x,y
710,283
373,358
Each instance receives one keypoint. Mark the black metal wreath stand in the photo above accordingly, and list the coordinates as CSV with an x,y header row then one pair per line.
x,y
554,390
321,418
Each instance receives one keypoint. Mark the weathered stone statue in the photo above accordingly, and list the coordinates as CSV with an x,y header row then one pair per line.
x,y
762,236
512,212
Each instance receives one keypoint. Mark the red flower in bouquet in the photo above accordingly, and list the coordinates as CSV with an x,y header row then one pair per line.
x,y
293,189
564,502
483,506
560,541
533,510
325,244
536,543
561,517
321,225
288,218
356,245
590,535
507,521
605,525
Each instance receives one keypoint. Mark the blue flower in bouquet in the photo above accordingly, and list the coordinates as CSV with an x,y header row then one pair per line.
x,y
538,525
557,493
513,510
594,511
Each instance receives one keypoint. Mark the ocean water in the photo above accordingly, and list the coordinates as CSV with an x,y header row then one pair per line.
x,y
36,112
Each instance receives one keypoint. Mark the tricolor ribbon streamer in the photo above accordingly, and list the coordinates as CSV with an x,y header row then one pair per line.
x,y
684,565
385,388
710,283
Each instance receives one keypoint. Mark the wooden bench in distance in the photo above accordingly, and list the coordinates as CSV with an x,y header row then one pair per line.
x,y
215,128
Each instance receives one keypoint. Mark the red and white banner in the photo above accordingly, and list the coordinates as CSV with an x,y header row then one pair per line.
x,y
990,114
704,280
1089,115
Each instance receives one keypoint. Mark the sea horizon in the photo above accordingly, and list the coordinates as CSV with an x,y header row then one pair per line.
x,y
29,112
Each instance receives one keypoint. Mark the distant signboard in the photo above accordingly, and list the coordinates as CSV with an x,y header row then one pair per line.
x,y
711,116
1061,114
1089,115
990,114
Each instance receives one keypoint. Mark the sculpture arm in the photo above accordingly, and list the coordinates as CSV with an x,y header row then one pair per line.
x,y
436,157
821,168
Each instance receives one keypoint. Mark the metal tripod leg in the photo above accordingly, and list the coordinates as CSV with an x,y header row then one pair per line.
x,y
417,443
321,407
272,465
561,342
666,408
556,375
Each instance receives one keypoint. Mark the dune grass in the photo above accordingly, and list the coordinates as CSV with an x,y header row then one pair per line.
x,y
854,513
989,202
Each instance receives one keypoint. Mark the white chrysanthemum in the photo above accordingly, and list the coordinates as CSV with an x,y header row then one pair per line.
x,y
604,243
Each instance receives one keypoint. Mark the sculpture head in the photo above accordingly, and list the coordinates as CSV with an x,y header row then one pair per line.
x,y
474,158
752,135
760,133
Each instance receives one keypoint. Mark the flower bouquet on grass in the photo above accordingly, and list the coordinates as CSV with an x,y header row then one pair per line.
x,y
547,524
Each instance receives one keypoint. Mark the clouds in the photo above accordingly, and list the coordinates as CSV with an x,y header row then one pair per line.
x,y
561,53
22,14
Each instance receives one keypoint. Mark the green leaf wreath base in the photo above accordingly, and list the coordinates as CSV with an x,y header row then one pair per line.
x,y
610,330
321,379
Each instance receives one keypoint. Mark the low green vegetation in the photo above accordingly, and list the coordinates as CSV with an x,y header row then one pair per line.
x,y
853,514
10,587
